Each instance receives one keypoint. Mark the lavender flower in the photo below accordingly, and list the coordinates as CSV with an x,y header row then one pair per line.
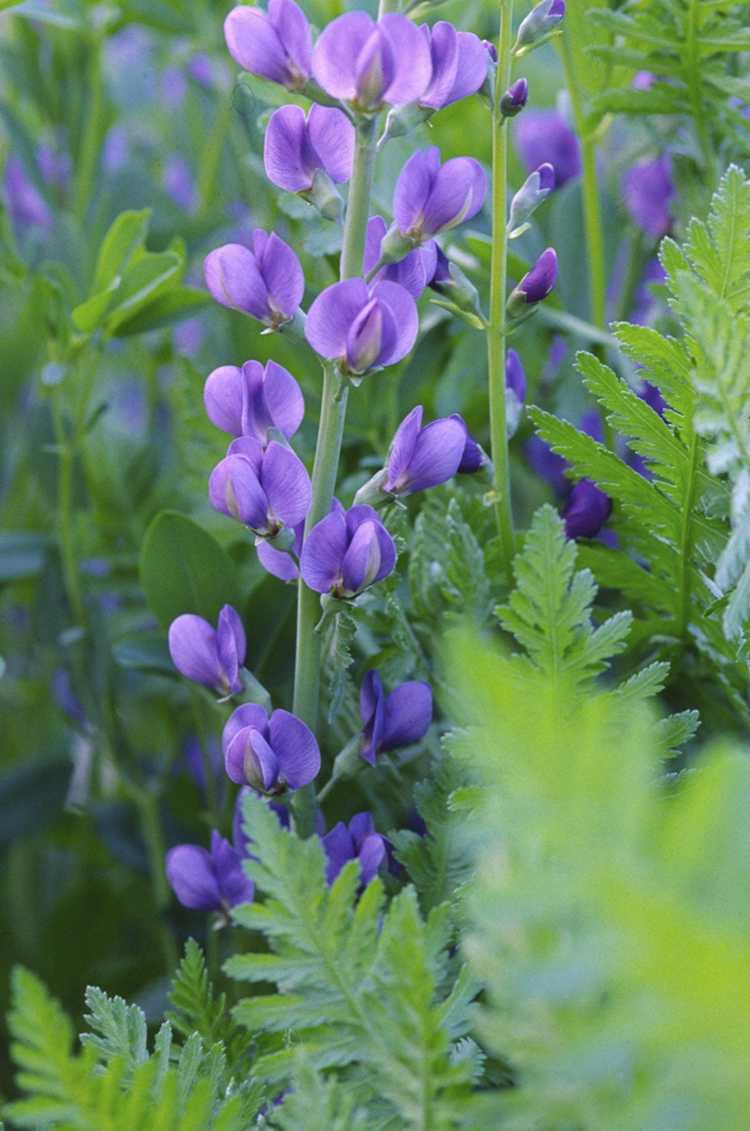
x,y
275,45
514,99
254,399
647,190
307,154
536,283
414,272
346,552
368,64
543,136
266,490
536,188
266,282
355,841
459,65
208,881
391,721
430,198
419,457
206,655
473,457
270,754
515,377
540,23
282,564
362,327
26,205
586,511
179,183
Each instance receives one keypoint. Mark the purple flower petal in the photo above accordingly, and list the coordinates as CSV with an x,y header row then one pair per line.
x,y
331,315
191,876
435,455
544,136
587,510
334,60
408,714
371,709
222,397
371,856
279,563
284,399
233,278
473,457
413,187
332,137
232,645
296,747
413,64
443,40
647,190
515,377
193,648
457,194
361,826
323,552
283,276
400,322
361,562
472,66
286,484
284,150
275,45
248,715
339,850
234,490
293,30
235,887
402,446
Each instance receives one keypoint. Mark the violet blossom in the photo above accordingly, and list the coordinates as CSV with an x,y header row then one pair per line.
x,y
275,44
544,136
430,198
208,880
459,65
253,400
586,511
515,98
414,272
538,25
421,458
266,282
309,153
536,284
362,327
346,552
208,655
271,754
473,457
267,490
647,190
355,841
391,721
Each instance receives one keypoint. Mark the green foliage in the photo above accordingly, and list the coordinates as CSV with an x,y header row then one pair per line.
x,y
116,1084
447,571
613,939
360,987
318,1103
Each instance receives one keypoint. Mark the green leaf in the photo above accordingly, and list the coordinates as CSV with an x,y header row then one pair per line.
x,y
126,235
183,569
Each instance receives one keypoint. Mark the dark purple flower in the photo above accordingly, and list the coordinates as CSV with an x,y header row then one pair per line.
x,y
206,655
459,65
270,754
195,762
346,552
430,198
543,136
653,398
266,282
275,45
419,457
362,327
355,841
266,490
414,272
586,510
390,721
536,188
473,457
536,283
515,377
208,881
514,99
254,399
369,64
298,147
179,182
643,80
647,190
539,24
547,464
26,205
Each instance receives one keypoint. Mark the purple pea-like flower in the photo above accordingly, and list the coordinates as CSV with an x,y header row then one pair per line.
x,y
430,198
266,282
414,272
543,136
298,147
208,880
536,283
368,63
251,400
419,457
473,457
391,721
208,655
515,98
346,552
355,841
266,490
586,511
275,44
647,190
459,65
272,754
362,327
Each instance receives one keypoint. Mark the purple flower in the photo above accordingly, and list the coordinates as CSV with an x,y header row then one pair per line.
x,y
179,183
194,760
424,457
414,272
586,511
206,655
514,99
430,198
390,721
299,147
208,881
270,754
346,552
116,150
362,327
473,457
653,398
281,563
266,490
539,24
369,64
254,399
536,283
355,841
266,282
647,190
173,87
515,377
275,45
459,65
547,464
26,205
543,136
202,70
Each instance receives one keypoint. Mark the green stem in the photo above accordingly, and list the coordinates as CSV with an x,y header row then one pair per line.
x,y
208,771
694,80
93,130
148,811
686,540
496,327
212,153
66,535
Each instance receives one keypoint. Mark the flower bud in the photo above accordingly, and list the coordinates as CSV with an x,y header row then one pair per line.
x,y
538,26
514,99
536,188
535,285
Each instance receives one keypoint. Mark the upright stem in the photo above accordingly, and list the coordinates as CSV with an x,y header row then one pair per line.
x,y
92,131
331,431
212,152
496,327
148,810
65,516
